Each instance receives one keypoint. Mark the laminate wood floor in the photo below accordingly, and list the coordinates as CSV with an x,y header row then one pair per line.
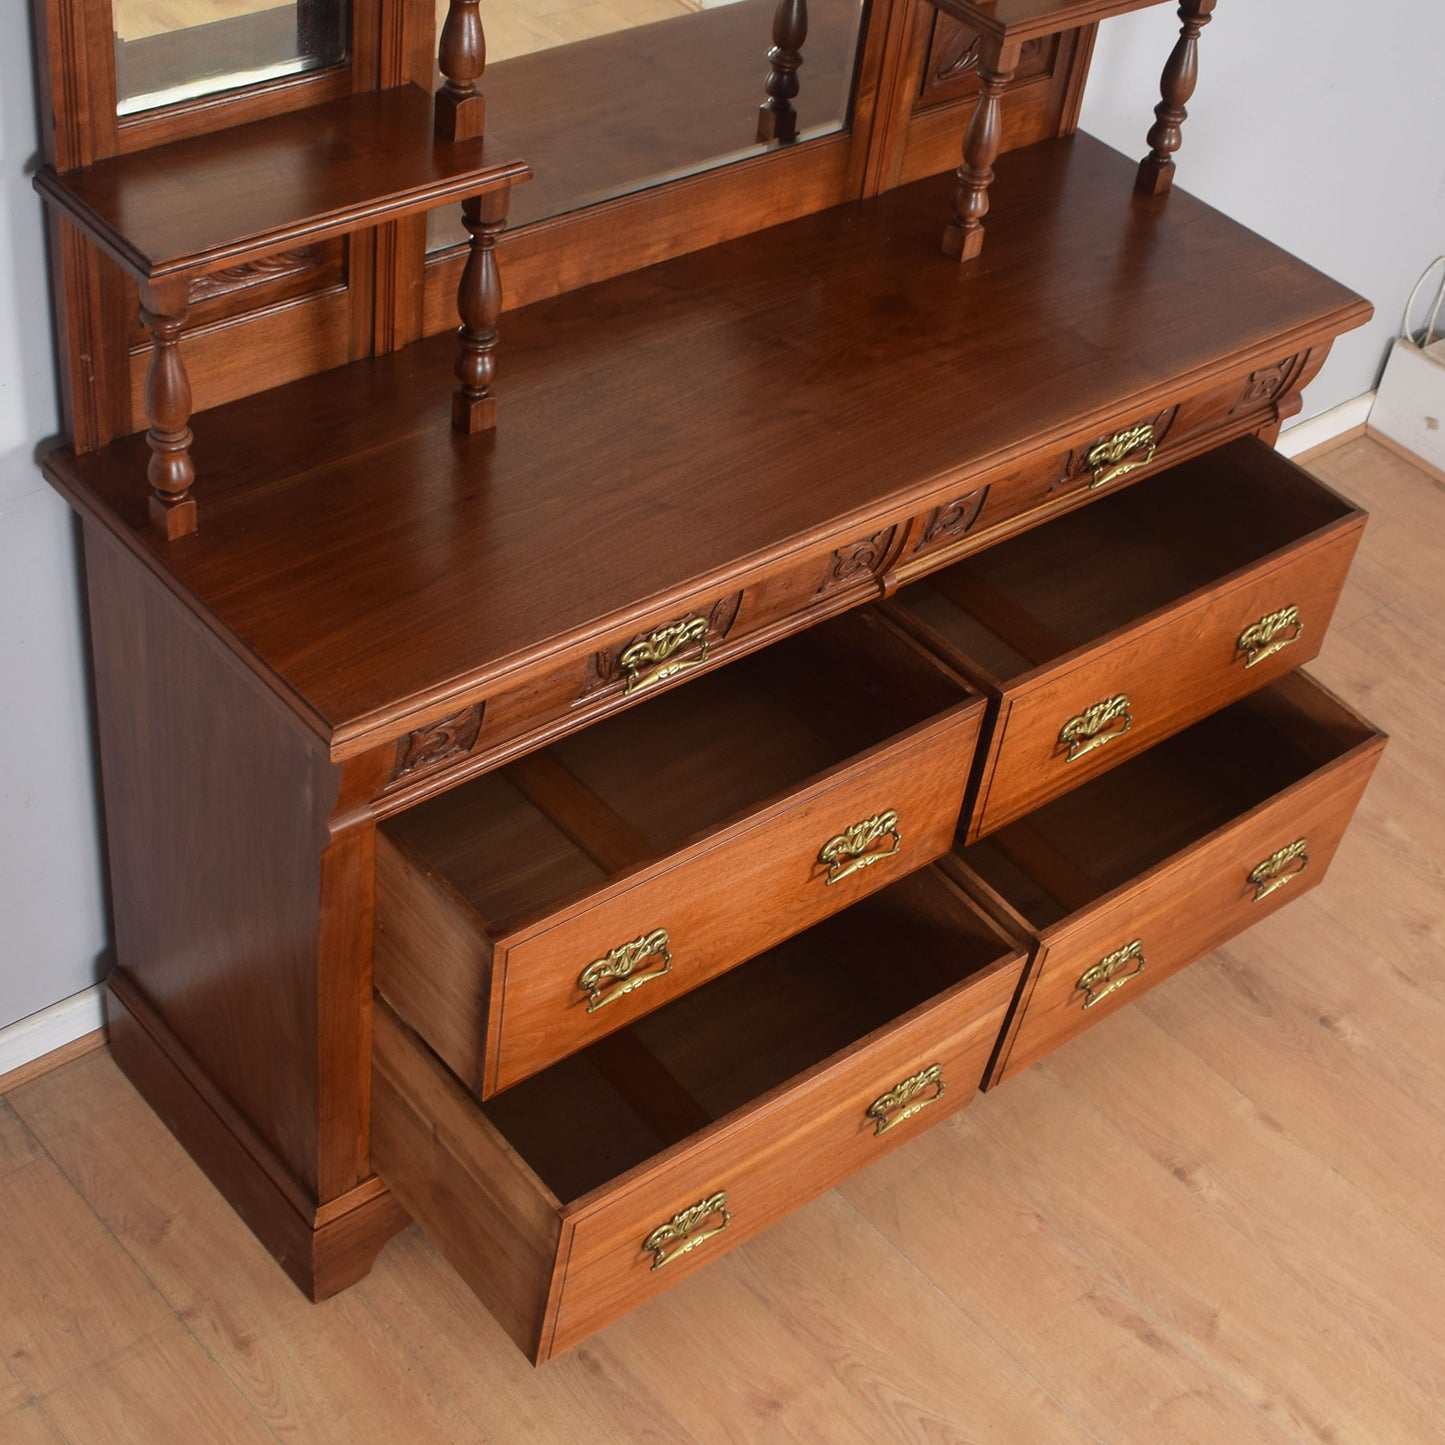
x,y
1216,1218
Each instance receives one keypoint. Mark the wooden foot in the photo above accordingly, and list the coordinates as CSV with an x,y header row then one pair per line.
x,y
963,236
1176,85
168,407
479,302
461,109
324,1248
777,116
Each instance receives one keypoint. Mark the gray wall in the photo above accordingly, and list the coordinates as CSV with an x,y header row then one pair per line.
x,y
1318,123
1306,125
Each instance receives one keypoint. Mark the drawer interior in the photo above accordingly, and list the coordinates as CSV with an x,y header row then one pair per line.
x,y
1028,601
591,1117
1067,854
632,788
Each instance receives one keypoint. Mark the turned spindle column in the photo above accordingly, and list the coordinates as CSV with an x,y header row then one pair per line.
x,y
479,302
1176,85
997,61
461,109
777,117
168,408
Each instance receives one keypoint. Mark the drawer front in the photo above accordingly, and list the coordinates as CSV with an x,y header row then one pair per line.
x,y
625,1244
585,684
1112,453
1072,721
1088,966
568,982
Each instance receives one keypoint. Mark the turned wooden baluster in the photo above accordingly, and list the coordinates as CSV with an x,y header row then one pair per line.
x,y
168,408
461,109
479,301
1176,85
997,61
777,117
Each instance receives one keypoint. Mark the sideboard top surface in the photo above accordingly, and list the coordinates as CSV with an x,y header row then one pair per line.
x,y
680,423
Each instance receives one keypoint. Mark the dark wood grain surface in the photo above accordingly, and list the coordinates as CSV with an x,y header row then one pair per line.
x,y
1024,19
213,200
669,426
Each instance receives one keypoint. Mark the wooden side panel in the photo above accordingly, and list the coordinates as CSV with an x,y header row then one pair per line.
x,y
476,1199
217,803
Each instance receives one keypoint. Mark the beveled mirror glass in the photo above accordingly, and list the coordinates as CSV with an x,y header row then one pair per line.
x,y
168,51
603,99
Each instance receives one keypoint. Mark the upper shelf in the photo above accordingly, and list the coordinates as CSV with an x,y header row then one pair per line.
x,y
216,200
1026,19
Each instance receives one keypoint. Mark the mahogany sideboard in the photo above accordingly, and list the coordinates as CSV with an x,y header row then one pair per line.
x,y
842,673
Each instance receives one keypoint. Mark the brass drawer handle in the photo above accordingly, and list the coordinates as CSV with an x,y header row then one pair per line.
x,y
902,1101
1086,732
849,851
620,966
1099,982
1106,460
1266,637
646,663
1276,871
682,1233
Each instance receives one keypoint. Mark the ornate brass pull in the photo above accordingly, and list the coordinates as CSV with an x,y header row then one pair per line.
x,y
1276,871
849,851
1266,637
1086,732
1099,982
902,1101
1106,459
621,965
683,1233
646,663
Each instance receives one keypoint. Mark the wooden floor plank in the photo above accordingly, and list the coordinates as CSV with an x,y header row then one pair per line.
x,y
16,1145
72,1298
1309,1219
916,1362
1089,1343
28,1426
1188,1259
733,1373
163,1388
313,1373
589,1395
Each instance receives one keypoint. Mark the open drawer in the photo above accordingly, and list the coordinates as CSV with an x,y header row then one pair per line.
x,y
584,1191
526,914
1114,626
1141,871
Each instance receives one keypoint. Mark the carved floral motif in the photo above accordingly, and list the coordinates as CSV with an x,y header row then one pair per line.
x,y
255,273
950,522
428,747
1265,384
863,558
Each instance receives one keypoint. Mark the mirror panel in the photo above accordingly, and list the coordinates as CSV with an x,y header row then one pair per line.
x,y
168,51
604,99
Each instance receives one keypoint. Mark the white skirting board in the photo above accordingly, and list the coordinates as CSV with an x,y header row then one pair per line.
x,y
52,1028
1305,436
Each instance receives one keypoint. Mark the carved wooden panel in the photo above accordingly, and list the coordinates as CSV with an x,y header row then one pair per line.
x,y
863,558
1266,384
951,71
948,523
433,747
